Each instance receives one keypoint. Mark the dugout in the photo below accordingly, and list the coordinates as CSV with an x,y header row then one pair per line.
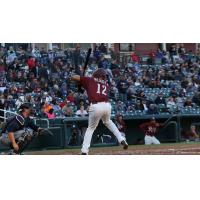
x,y
168,133
185,122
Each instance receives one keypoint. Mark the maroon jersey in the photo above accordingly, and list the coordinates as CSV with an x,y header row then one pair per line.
x,y
149,128
97,90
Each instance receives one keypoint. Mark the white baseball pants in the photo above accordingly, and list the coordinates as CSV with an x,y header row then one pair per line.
x,y
151,140
123,135
99,111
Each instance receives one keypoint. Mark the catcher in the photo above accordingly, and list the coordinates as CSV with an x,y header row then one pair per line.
x,y
19,130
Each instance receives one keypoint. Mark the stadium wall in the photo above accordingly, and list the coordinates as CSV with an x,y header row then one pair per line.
x,y
61,129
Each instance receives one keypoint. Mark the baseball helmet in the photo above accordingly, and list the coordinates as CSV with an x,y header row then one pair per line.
x,y
25,106
100,73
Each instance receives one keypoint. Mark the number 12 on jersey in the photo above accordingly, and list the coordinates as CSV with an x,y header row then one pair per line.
x,y
101,89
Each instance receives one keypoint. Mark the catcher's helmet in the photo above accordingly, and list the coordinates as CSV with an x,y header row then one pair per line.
x,y
25,106
100,73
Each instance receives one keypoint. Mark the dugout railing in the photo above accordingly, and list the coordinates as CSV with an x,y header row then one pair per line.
x,y
62,130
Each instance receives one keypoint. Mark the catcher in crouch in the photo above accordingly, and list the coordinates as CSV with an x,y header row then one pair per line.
x,y
97,90
19,130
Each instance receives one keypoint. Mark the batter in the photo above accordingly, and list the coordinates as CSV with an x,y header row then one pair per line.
x,y
100,109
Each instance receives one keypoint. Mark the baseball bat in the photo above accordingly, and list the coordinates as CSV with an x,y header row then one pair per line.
x,y
85,67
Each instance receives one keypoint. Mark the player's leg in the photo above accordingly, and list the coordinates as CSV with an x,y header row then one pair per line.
x,y
148,140
110,125
4,140
123,135
155,140
94,117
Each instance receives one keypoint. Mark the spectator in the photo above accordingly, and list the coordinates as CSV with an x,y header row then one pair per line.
x,y
160,100
138,105
55,105
81,112
47,107
179,102
159,54
152,109
113,92
42,113
102,48
36,53
31,64
173,52
120,107
131,92
11,55
192,134
43,72
50,114
67,110
70,97
122,88
171,102
188,103
181,50
63,103
134,58
151,60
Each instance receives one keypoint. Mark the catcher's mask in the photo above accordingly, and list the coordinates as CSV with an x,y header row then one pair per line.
x,y
25,107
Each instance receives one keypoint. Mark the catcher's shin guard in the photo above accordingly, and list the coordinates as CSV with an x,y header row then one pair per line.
x,y
23,143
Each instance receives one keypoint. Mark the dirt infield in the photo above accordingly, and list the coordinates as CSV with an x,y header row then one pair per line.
x,y
163,149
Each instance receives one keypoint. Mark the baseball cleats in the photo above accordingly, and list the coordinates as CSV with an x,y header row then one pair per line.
x,y
124,144
84,153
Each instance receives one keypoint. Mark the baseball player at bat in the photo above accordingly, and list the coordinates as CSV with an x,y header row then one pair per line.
x,y
100,109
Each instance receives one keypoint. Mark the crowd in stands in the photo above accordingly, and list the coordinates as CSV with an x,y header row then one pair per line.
x,y
167,82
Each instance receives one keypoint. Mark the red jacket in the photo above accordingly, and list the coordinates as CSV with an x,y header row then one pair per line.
x,y
134,58
31,63
70,98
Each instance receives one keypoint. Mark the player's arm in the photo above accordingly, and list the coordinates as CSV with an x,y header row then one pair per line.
x,y
76,78
84,81
12,140
34,127
11,137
